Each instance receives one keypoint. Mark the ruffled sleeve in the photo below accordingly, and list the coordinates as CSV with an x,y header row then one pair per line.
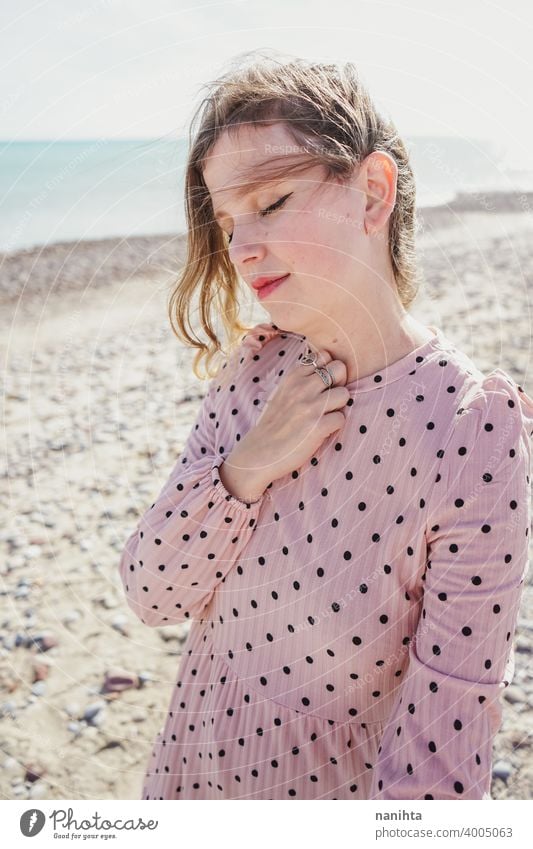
x,y
437,743
191,536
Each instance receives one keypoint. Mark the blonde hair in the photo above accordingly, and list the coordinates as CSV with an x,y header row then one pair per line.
x,y
329,114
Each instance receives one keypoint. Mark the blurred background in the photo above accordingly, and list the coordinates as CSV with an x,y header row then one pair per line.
x,y
99,397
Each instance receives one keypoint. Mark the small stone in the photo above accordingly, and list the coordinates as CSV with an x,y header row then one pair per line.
x,y
514,694
119,623
45,642
72,709
70,617
108,602
74,727
39,688
98,719
522,644
117,680
502,769
34,771
38,790
40,670
92,710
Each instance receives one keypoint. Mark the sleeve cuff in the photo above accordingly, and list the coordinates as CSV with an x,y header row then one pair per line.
x,y
220,489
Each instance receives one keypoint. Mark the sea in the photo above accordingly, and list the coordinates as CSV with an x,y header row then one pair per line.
x,y
62,191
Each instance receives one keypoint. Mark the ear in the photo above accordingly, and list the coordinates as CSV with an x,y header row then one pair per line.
x,y
377,178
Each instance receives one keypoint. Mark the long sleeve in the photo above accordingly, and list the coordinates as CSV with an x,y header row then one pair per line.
x,y
191,536
437,742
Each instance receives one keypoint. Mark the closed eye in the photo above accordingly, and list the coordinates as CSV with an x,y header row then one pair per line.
x,y
279,203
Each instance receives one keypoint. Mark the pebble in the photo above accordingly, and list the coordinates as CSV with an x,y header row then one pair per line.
x,y
92,711
38,790
523,644
117,680
98,719
71,617
108,602
72,709
8,709
34,771
39,688
119,623
45,642
502,769
514,694
40,670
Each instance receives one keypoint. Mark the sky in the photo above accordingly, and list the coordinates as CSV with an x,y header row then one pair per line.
x,y
135,68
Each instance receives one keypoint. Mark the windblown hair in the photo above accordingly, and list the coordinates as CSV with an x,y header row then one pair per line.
x,y
329,114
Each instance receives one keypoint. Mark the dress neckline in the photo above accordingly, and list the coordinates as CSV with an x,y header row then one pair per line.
x,y
406,365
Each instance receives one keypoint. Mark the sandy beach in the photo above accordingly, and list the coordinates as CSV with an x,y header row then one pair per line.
x,y
99,399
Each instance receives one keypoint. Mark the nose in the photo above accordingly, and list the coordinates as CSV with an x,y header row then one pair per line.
x,y
244,249
244,253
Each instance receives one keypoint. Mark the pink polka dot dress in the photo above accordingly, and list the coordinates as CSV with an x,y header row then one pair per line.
x,y
352,630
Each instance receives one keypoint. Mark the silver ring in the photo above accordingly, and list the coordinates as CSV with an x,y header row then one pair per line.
x,y
310,359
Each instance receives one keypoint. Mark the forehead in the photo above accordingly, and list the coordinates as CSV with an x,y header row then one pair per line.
x,y
243,149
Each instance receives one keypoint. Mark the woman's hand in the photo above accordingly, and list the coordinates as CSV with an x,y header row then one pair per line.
x,y
299,415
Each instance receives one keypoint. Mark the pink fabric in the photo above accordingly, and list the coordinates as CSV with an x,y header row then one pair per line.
x,y
352,630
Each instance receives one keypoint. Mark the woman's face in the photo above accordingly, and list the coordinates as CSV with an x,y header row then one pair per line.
x,y
314,231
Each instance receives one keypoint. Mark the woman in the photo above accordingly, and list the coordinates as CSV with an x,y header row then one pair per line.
x,y
347,526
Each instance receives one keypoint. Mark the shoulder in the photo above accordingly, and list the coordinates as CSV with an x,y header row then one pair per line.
x,y
493,424
243,354
498,400
479,401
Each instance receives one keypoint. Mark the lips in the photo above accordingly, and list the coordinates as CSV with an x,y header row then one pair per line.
x,y
265,285
259,282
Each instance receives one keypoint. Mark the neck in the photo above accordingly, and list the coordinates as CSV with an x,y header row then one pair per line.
x,y
374,347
